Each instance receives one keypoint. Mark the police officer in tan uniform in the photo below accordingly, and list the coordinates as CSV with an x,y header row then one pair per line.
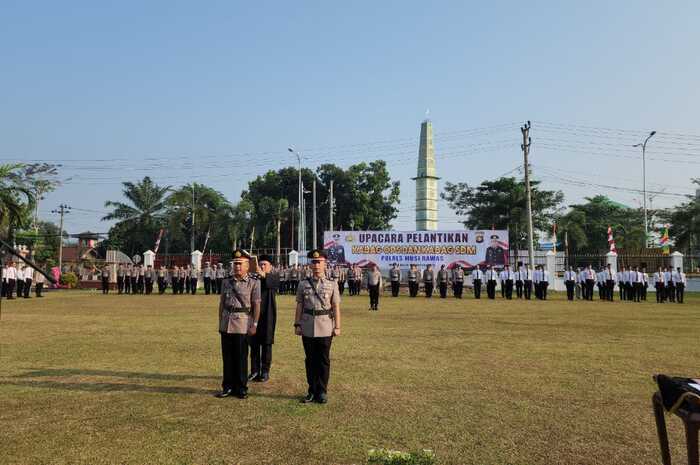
x,y
239,312
395,277
317,320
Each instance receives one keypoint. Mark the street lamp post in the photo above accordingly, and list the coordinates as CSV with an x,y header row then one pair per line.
x,y
643,145
299,202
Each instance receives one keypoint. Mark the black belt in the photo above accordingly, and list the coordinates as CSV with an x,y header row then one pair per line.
x,y
310,311
239,310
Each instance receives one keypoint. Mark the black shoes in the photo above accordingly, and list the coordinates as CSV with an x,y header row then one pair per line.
x,y
229,393
224,393
253,376
265,377
319,399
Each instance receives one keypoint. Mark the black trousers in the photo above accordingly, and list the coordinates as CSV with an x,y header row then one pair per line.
x,y
509,289
519,289
589,289
139,283
443,290
680,291
527,289
120,284
341,287
187,284
207,286
234,353
105,285
181,286
458,288
193,285
637,292
260,357
394,288
318,363
134,285
10,289
660,293
27,288
569,289
413,288
428,289
149,285
477,289
39,289
374,297
218,284
491,289
671,292
543,290
20,287
609,290
644,291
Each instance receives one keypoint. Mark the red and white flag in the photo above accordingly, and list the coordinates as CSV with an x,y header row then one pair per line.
x,y
160,236
611,241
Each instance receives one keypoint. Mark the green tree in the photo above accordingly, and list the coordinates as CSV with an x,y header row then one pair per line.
x,y
684,221
139,220
42,242
213,214
502,204
586,226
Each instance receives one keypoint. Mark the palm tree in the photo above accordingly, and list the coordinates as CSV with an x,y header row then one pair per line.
x,y
139,219
16,196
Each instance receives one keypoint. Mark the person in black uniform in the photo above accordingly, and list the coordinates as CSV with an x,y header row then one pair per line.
x,y
261,343
495,254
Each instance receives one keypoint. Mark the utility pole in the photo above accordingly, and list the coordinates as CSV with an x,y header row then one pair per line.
x,y
643,145
300,201
314,215
525,146
192,236
62,210
332,205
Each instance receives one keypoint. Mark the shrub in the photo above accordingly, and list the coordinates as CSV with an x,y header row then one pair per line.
x,y
69,279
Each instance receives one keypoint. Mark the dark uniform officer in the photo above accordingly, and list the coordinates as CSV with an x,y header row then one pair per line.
x,y
239,311
317,320
261,343
413,281
428,281
395,278
457,281
442,279
495,254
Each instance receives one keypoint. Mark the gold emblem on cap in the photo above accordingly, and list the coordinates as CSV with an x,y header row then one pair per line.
x,y
316,255
238,254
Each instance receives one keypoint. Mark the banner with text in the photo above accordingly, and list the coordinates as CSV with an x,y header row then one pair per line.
x,y
451,248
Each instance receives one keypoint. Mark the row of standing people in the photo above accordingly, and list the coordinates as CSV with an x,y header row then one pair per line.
x,y
18,280
138,279
632,283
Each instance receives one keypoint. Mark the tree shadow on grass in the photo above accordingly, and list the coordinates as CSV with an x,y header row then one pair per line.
x,y
107,387
55,372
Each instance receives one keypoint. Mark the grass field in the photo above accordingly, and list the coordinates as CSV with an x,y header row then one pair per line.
x,y
95,379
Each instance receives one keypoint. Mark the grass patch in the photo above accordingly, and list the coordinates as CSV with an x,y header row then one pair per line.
x,y
98,379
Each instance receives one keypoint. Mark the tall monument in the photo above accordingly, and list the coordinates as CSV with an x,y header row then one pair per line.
x,y
426,181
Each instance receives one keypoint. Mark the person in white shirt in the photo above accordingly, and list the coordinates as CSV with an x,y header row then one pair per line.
x,y
609,283
621,282
600,283
518,276
39,280
28,278
590,282
491,281
526,273
578,284
645,283
19,281
636,282
477,278
680,280
570,282
11,274
670,285
660,286
544,282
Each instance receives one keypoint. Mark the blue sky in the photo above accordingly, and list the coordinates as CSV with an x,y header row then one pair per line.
x,y
216,91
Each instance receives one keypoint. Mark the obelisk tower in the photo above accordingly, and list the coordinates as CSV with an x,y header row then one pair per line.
x,y
426,181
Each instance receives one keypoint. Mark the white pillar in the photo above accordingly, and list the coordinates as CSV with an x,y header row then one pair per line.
x,y
149,258
677,260
611,259
550,262
293,258
196,260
